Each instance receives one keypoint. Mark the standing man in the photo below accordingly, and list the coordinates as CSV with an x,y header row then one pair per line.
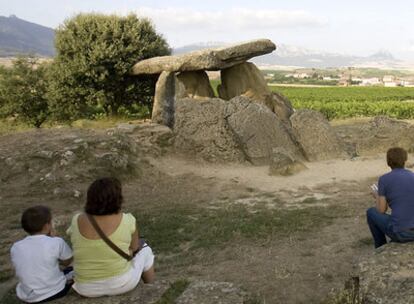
x,y
396,190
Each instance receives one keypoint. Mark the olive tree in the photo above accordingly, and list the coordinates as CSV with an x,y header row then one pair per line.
x,y
95,54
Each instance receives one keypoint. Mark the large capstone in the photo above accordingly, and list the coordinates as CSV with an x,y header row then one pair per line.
x,y
315,136
209,59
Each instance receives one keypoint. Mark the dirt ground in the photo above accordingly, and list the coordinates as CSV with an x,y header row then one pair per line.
x,y
297,266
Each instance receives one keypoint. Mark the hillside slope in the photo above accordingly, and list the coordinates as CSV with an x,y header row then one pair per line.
x,y
18,36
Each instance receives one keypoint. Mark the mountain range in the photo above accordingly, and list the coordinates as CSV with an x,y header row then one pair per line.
x,y
293,56
18,36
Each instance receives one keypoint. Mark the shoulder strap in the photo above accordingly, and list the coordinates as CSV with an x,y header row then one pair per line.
x,y
107,240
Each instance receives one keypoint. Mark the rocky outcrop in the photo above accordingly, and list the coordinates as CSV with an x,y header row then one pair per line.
x,y
387,276
315,136
258,130
196,84
377,135
210,59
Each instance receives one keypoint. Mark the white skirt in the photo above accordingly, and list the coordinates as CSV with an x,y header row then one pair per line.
x,y
123,283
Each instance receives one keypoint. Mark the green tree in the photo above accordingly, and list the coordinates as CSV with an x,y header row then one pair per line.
x,y
95,54
23,90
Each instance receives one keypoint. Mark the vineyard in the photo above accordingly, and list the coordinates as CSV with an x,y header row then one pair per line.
x,y
345,102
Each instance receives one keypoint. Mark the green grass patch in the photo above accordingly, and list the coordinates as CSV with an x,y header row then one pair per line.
x,y
172,293
168,229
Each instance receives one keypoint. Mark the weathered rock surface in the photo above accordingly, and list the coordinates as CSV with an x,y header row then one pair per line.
x,y
237,130
210,59
167,90
196,84
201,129
201,292
246,80
316,137
258,130
282,163
387,276
377,135
239,79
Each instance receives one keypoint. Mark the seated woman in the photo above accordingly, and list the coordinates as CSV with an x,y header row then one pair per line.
x,y
99,269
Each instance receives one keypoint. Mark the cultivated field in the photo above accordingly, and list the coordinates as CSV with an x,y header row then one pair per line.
x,y
345,102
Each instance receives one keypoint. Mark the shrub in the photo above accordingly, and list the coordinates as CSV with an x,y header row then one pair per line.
x,y
23,90
95,54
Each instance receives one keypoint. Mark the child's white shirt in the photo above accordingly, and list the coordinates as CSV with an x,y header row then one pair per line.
x,y
36,262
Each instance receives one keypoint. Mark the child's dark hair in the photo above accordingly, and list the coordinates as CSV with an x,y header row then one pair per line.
x,y
104,197
35,218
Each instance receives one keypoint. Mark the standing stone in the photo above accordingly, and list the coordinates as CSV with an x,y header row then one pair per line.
x,y
258,130
246,80
196,84
239,79
316,136
167,90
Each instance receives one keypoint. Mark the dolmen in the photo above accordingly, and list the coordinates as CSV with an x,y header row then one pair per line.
x,y
244,121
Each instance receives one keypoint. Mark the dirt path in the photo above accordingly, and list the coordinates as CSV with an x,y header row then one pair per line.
x,y
318,173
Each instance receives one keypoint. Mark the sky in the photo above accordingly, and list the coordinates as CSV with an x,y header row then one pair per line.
x,y
348,27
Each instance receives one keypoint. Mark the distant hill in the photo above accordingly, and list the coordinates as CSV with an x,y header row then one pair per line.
x,y
18,36
287,55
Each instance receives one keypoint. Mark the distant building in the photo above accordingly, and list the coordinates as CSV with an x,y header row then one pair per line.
x,y
301,75
371,81
405,83
391,84
343,82
388,78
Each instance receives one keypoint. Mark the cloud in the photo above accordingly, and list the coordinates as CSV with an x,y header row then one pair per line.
x,y
233,19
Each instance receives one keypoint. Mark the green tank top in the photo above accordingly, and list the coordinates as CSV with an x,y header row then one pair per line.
x,y
94,260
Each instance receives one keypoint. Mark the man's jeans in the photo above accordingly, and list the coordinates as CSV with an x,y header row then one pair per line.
x,y
380,226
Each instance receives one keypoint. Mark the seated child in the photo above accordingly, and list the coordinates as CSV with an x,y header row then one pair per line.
x,y
37,257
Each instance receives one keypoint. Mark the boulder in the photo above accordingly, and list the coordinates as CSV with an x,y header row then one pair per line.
x,y
258,130
201,129
282,163
167,90
196,84
202,292
246,80
208,59
387,275
315,136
